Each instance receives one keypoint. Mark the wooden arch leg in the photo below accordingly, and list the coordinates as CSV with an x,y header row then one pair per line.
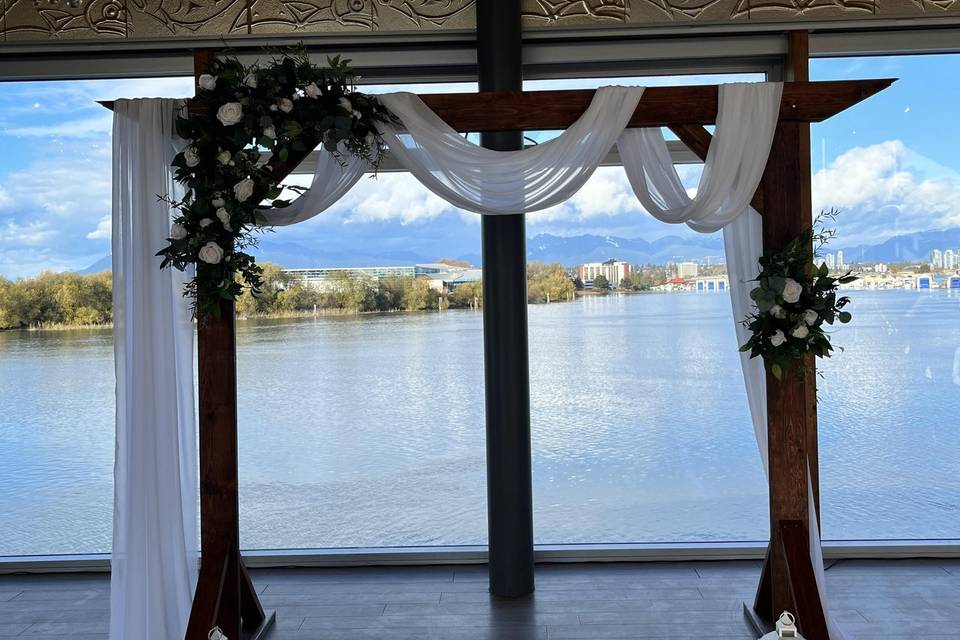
x,y
225,595
788,579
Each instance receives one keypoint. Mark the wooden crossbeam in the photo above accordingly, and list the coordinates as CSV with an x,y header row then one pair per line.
x,y
660,106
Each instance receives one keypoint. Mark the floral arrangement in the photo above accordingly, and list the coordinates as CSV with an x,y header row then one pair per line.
x,y
795,300
244,124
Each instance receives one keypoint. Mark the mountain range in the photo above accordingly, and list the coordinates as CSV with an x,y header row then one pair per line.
x,y
567,250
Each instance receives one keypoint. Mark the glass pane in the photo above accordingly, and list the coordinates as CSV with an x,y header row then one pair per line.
x,y
57,381
361,425
888,403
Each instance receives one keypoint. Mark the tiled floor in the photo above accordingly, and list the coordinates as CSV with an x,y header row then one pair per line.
x,y
898,599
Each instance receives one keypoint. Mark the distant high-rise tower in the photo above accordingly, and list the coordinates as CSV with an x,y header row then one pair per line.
x,y
949,259
831,261
936,259
840,263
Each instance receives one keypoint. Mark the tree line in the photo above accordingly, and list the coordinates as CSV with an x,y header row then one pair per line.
x,y
69,299
56,299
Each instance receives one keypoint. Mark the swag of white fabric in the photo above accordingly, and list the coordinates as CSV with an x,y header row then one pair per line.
x,y
466,175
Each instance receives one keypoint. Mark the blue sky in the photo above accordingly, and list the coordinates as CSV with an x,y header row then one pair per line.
x,y
890,164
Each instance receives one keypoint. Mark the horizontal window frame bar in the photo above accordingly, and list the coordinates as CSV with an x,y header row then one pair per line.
x,y
543,553
547,53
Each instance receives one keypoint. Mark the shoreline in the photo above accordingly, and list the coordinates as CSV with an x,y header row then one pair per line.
x,y
336,313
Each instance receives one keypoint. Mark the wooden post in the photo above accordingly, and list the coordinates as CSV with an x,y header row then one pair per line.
x,y
787,582
225,596
798,70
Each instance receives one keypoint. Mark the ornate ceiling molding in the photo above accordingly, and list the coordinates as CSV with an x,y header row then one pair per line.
x,y
74,20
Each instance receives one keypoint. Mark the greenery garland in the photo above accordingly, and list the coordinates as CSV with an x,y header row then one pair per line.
x,y
285,108
795,300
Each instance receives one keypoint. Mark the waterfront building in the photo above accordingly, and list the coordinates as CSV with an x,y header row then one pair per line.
x,y
936,259
881,267
687,270
441,276
831,261
841,265
710,284
612,270
950,259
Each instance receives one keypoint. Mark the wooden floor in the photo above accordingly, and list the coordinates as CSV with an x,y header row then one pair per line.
x,y
875,600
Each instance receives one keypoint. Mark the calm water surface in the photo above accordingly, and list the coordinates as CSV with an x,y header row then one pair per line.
x,y
368,431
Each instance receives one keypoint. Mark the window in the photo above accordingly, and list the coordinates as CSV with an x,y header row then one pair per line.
x,y
57,421
641,431
888,403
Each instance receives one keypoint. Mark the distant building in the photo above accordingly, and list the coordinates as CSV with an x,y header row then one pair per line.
x,y
687,270
949,259
710,284
612,270
881,268
441,276
936,259
831,261
841,265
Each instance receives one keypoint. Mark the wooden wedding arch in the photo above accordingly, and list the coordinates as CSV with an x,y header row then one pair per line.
x,y
225,595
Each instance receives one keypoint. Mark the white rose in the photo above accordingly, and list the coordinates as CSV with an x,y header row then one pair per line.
x,y
230,113
270,132
211,253
810,316
224,216
208,82
243,189
206,222
223,157
312,90
777,312
345,105
250,80
778,338
273,107
178,231
190,157
791,291
286,105
800,332
218,202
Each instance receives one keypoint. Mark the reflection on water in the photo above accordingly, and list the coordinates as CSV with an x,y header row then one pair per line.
x,y
368,431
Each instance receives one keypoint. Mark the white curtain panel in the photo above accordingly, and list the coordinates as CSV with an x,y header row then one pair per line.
x,y
747,117
491,182
154,559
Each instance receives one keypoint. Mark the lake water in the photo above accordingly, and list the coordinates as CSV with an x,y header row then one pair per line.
x,y
369,431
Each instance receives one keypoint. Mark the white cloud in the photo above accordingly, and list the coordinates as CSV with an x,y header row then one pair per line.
x,y
74,183
388,197
34,234
92,127
103,231
886,189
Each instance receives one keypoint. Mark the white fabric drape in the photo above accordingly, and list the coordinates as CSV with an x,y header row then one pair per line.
x,y
332,179
485,181
747,117
154,563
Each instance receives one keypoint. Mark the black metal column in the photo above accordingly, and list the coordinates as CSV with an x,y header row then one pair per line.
x,y
506,364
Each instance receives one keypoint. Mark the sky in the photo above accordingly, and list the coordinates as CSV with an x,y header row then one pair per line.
x,y
889,164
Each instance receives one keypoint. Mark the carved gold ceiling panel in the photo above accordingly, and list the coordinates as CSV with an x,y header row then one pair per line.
x,y
52,20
